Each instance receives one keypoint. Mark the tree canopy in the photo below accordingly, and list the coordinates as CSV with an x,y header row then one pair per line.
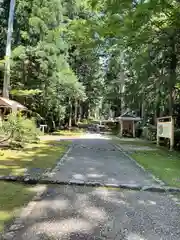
x,y
82,59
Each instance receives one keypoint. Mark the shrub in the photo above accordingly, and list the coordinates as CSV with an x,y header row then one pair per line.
x,y
177,139
20,129
149,132
139,132
115,129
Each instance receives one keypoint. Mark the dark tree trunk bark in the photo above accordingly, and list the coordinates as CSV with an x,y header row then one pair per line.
x,y
75,111
172,75
79,112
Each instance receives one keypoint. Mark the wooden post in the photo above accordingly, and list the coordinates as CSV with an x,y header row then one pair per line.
x,y
134,130
1,118
172,134
157,140
121,128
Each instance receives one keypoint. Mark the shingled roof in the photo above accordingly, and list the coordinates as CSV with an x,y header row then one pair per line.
x,y
5,102
128,116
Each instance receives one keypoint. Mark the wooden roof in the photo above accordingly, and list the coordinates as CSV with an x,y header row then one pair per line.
x,y
128,116
5,102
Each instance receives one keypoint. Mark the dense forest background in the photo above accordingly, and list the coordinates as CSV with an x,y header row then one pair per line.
x,y
75,60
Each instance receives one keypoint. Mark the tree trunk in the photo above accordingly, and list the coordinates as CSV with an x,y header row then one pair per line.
x,y
85,111
170,102
79,113
70,113
75,111
157,103
172,75
88,111
6,83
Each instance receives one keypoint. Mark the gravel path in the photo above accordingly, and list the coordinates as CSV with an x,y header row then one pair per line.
x,y
97,160
75,213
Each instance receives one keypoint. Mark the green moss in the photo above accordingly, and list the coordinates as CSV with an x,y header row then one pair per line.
x,y
43,155
14,196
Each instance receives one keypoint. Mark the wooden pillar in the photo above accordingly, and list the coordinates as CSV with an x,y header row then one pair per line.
x,y
1,118
134,130
158,138
172,134
121,128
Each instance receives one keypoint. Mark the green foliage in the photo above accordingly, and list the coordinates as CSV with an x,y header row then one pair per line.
x,y
20,129
32,92
149,133
177,139
81,59
41,77
143,46
4,11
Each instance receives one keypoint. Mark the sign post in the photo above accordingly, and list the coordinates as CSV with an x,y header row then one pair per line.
x,y
165,129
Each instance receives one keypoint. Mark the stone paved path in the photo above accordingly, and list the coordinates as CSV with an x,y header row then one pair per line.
x,y
98,160
85,213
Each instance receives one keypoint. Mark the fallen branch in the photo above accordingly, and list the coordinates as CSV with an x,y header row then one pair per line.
x,y
6,139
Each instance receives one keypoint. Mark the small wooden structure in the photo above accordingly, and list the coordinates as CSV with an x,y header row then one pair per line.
x,y
128,124
7,106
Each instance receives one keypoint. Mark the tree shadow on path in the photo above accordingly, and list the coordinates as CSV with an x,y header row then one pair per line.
x,y
69,212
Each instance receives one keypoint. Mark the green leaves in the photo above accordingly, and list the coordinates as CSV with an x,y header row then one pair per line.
x,y
20,129
25,93
88,51
41,75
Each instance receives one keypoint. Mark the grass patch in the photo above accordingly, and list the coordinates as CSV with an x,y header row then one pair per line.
x,y
12,198
43,155
162,163
134,142
75,132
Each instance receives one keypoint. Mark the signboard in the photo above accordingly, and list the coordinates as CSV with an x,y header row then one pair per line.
x,y
165,129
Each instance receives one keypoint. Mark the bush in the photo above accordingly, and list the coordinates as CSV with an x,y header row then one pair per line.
x,y
166,141
139,132
19,129
177,139
149,132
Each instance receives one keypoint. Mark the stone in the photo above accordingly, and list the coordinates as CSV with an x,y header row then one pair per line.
x,y
130,186
76,182
13,177
153,189
9,236
15,227
172,190
94,184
